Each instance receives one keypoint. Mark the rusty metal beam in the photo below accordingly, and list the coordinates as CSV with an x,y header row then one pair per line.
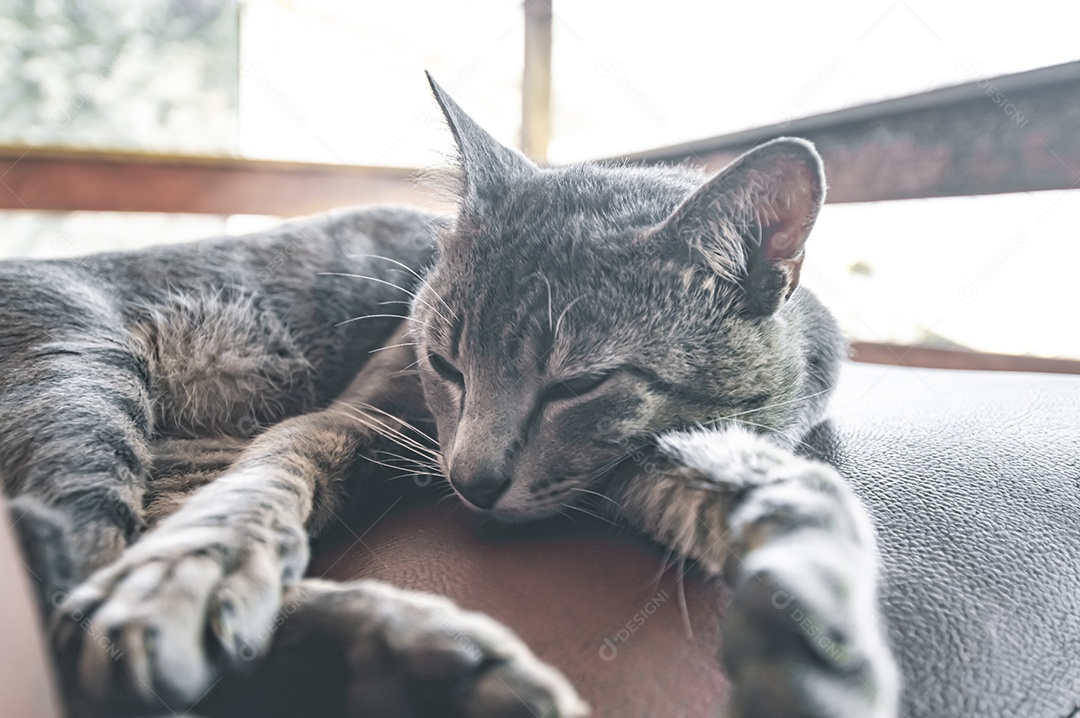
x,y
1015,133
66,179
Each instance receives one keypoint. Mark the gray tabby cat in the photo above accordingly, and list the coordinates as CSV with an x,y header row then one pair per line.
x,y
631,337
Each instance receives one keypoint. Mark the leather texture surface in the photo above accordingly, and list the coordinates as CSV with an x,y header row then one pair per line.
x,y
973,480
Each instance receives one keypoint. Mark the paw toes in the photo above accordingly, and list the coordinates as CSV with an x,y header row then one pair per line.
x,y
419,655
158,630
519,690
800,637
69,622
505,679
437,656
244,610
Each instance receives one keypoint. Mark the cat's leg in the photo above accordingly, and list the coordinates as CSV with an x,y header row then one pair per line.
x,y
192,600
802,636
73,428
180,466
189,601
369,649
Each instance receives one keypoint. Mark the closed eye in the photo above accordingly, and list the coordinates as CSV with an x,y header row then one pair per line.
x,y
574,387
446,370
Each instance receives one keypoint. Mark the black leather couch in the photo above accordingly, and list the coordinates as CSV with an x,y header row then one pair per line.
x,y
974,482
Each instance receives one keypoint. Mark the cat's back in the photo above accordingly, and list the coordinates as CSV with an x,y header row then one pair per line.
x,y
233,332
278,258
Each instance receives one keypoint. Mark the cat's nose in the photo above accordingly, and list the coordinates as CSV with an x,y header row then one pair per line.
x,y
481,490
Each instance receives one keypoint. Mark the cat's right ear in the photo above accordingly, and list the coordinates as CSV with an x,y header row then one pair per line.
x,y
749,223
487,167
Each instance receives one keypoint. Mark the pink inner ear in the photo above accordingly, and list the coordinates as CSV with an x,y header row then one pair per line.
x,y
787,214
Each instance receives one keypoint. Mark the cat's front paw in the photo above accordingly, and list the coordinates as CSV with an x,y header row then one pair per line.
x,y
802,639
413,654
157,628
803,634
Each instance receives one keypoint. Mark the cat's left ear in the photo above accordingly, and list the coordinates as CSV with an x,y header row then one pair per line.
x,y
749,223
487,167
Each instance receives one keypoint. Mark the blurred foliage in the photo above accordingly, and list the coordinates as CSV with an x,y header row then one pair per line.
x,y
155,75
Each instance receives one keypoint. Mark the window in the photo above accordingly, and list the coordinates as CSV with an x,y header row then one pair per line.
x,y
336,82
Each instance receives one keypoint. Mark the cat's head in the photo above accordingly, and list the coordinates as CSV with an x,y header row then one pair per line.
x,y
574,312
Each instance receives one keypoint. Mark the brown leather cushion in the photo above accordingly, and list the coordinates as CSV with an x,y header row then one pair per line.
x,y
564,592
26,687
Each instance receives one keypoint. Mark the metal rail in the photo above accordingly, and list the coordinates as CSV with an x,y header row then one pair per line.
x,y
1015,133
51,178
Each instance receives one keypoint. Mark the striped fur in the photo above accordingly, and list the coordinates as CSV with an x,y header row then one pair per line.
x,y
217,392
104,358
634,339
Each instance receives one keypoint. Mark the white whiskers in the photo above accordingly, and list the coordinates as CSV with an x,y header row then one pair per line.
x,y
411,271
389,284
769,406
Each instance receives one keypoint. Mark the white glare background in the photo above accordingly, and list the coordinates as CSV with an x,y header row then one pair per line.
x,y
338,81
